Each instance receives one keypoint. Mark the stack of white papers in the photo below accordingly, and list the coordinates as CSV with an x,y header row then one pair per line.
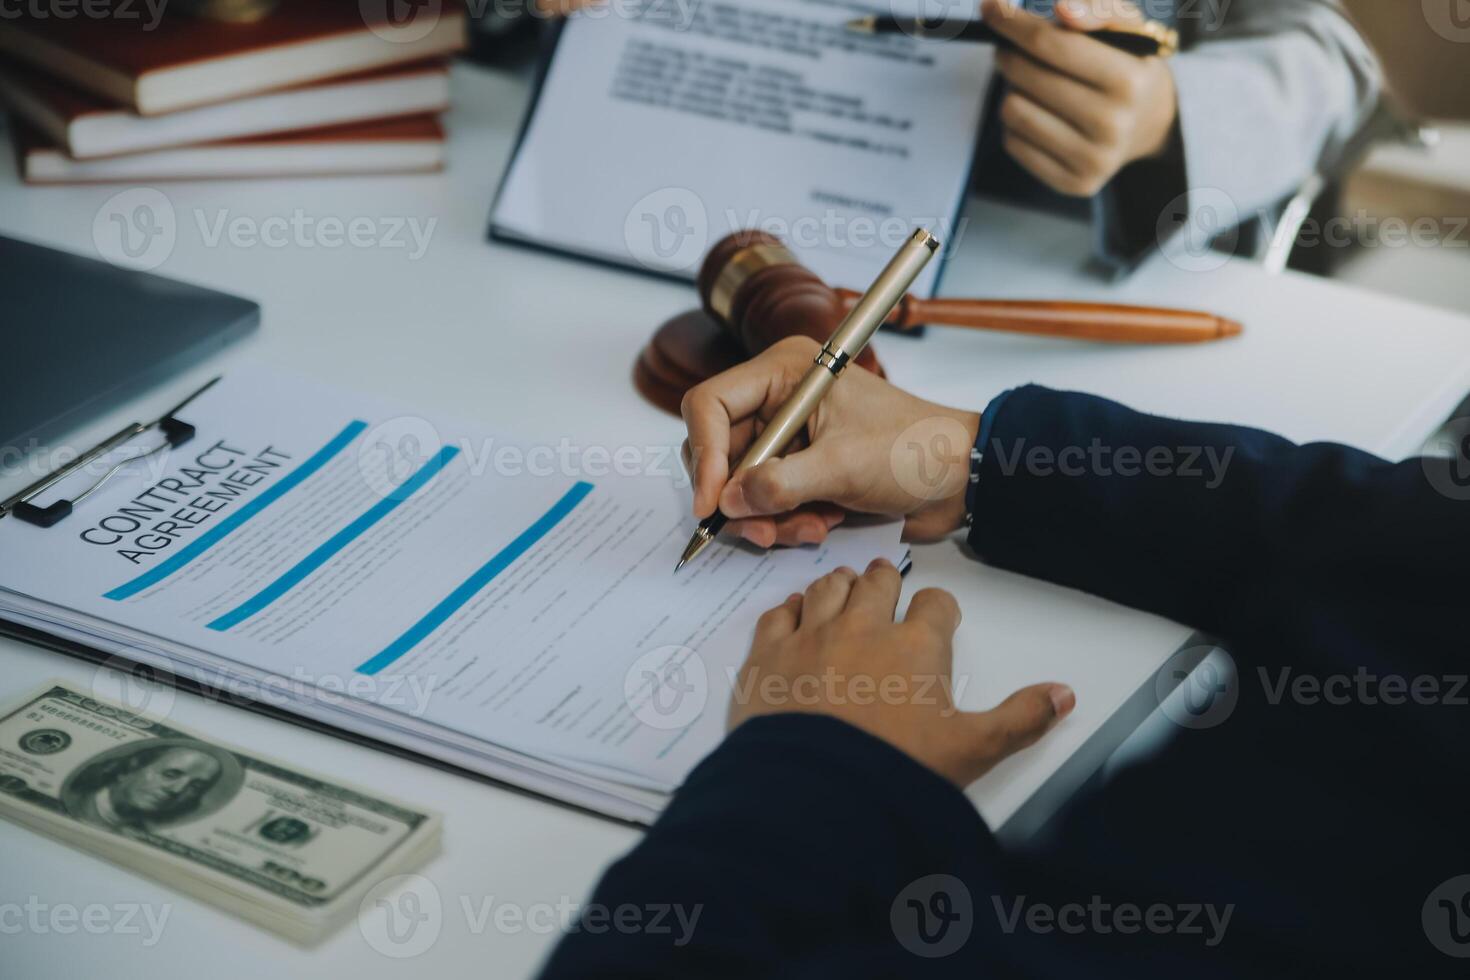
x,y
499,606
699,119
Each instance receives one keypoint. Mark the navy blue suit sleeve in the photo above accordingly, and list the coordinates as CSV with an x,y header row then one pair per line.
x,y
786,849
1224,528
1316,564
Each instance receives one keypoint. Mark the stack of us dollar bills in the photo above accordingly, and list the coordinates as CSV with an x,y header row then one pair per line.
x,y
272,843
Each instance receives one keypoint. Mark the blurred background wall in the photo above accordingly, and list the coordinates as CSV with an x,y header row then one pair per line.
x,y
1425,47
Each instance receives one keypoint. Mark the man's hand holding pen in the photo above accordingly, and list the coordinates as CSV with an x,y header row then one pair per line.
x,y
846,464
1079,111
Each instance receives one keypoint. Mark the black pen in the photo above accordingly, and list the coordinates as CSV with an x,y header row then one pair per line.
x,y
1149,39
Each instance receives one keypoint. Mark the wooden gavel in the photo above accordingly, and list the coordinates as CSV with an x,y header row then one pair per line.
x,y
748,276
754,292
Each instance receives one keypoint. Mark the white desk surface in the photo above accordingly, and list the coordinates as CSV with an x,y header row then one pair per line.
x,y
524,339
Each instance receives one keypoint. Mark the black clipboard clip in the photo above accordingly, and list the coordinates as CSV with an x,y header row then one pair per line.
x,y
174,432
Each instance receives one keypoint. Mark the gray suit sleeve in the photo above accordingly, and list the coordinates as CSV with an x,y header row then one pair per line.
x,y
1270,91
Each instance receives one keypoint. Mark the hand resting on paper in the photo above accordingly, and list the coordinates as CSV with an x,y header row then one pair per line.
x,y
838,651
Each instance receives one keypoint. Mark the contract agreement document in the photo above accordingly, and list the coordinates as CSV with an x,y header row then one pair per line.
x,y
501,606
663,125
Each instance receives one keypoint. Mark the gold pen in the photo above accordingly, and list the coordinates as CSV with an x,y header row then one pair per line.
x,y
846,343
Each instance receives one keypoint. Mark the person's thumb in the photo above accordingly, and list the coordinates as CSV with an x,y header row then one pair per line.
x,y
780,485
1018,721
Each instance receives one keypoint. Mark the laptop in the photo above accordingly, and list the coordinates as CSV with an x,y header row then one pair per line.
x,y
81,336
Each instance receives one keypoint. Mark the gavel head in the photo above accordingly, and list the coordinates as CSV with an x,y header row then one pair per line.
x,y
753,293
753,286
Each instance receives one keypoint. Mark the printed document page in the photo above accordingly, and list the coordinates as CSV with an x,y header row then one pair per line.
x,y
699,119
526,592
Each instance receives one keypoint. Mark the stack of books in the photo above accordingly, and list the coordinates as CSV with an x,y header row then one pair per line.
x,y
312,87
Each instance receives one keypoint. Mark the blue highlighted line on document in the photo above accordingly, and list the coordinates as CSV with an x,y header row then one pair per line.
x,y
482,577
232,523
327,550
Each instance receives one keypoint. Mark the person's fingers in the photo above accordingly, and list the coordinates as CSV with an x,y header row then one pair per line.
x,y
808,525
801,528
827,597
723,413
1045,167
787,531
1065,50
1020,720
779,485
708,449
561,8
712,410
1094,15
936,613
759,531
1048,132
742,433
1079,105
780,622
875,594
805,526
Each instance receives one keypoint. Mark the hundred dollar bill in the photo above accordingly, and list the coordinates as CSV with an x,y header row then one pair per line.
x,y
288,849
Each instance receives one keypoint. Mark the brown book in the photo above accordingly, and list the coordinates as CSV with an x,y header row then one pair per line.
x,y
87,127
414,144
182,61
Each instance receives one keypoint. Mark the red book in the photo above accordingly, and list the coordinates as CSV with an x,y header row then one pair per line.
x,y
86,127
181,61
414,144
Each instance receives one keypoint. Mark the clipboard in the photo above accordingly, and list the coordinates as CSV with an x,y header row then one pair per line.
x,y
173,431
550,43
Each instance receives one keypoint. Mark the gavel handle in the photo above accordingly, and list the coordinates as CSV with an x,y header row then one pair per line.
x,y
1103,322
